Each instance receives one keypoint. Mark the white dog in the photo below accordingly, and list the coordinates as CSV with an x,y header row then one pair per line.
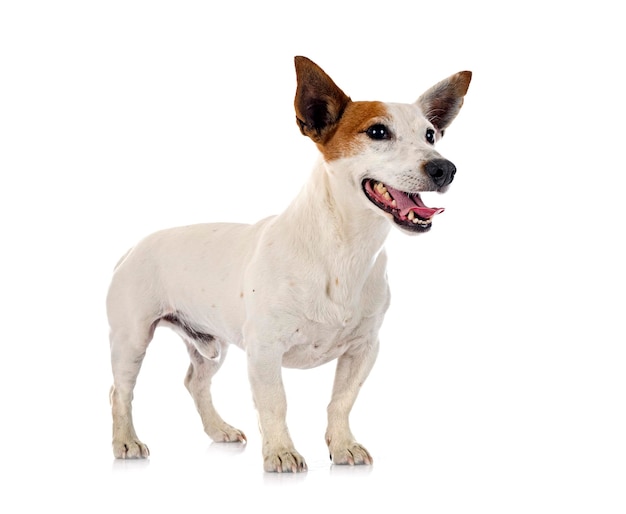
x,y
298,289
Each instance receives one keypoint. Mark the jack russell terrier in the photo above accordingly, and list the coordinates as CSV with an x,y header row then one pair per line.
x,y
298,289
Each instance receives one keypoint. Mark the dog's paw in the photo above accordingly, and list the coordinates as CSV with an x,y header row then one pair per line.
x,y
133,449
284,461
351,454
226,434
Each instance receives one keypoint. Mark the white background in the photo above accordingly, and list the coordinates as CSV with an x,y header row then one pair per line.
x,y
501,383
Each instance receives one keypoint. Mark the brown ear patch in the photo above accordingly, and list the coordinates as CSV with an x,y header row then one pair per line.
x,y
348,137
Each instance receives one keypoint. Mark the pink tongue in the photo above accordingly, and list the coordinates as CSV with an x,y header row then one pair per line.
x,y
414,203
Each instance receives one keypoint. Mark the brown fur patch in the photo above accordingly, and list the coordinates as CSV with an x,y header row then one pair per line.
x,y
348,138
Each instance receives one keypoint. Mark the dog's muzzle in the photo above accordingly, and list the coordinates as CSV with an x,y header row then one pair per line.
x,y
406,207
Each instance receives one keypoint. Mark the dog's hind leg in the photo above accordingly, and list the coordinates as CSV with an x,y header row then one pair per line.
x,y
128,348
198,383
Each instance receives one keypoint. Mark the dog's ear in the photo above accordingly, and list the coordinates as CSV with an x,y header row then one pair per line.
x,y
319,103
442,102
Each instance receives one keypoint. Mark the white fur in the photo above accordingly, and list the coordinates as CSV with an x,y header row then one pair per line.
x,y
298,290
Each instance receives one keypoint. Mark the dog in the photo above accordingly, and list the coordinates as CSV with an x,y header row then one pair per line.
x,y
298,289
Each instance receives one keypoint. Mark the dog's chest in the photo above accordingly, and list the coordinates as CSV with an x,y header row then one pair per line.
x,y
313,343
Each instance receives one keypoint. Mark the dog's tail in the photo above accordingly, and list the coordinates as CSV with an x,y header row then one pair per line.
x,y
122,259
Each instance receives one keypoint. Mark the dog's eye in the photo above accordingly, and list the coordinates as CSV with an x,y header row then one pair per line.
x,y
378,132
430,136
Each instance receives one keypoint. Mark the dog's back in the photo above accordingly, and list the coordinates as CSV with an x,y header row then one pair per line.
x,y
152,281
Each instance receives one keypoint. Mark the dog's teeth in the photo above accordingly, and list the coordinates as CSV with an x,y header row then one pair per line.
x,y
380,188
387,196
394,203
417,221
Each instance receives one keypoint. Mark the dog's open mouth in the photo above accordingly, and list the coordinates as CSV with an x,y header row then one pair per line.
x,y
408,209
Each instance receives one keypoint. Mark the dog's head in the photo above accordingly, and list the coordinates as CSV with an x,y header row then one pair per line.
x,y
385,150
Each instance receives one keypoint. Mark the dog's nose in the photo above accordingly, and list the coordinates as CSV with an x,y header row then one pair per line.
x,y
441,171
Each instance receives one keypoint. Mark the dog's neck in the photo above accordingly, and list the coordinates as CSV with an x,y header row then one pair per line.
x,y
331,219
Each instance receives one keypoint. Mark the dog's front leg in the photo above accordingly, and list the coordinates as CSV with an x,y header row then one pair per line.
x,y
264,371
352,370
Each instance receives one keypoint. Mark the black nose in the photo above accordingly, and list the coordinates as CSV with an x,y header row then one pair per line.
x,y
441,171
